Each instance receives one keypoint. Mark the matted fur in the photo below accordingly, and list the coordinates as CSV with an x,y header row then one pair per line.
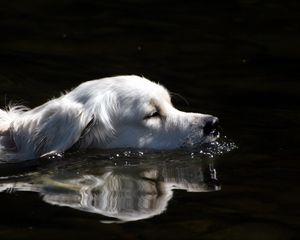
x,y
116,112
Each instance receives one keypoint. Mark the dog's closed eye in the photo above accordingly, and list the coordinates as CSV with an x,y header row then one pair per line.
x,y
153,114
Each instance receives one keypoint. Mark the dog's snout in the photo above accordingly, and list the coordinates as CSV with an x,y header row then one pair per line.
x,y
210,124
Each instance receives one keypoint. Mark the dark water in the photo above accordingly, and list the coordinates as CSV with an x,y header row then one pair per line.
x,y
238,60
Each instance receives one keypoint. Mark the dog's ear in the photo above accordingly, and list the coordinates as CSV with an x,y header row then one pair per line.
x,y
84,132
7,141
60,127
4,131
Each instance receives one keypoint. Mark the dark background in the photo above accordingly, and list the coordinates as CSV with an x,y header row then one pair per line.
x,y
53,45
238,60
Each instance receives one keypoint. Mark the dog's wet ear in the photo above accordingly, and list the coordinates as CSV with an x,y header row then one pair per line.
x,y
84,132
88,127
4,131
7,140
61,128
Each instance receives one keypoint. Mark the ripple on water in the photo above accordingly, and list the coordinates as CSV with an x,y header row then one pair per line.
x,y
216,148
219,147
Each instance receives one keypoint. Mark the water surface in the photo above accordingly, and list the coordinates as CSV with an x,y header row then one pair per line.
x,y
238,60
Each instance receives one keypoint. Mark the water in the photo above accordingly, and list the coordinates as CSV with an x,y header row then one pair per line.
x,y
237,60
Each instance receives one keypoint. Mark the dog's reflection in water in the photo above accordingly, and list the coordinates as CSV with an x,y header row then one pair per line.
x,y
126,193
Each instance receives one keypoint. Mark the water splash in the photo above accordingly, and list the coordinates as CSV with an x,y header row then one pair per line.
x,y
209,150
221,146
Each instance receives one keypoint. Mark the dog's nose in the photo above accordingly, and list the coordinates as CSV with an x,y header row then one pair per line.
x,y
210,124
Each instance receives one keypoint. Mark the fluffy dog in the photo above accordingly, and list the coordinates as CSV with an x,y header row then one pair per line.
x,y
116,112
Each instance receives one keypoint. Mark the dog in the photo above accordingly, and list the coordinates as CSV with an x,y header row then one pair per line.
x,y
116,112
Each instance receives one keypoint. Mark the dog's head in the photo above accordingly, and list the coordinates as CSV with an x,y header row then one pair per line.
x,y
133,112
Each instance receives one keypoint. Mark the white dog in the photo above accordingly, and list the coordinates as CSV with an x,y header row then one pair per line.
x,y
116,112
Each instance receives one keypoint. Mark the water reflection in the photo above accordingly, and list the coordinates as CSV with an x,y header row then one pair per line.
x,y
127,193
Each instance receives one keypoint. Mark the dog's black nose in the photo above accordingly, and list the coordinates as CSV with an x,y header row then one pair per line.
x,y
210,124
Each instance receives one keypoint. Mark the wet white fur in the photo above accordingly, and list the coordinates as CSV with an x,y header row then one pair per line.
x,y
107,113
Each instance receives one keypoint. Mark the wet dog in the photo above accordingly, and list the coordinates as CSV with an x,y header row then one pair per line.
x,y
116,112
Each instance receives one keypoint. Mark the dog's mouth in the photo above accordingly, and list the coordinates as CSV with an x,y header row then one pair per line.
x,y
196,140
212,127
215,133
212,144
212,136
